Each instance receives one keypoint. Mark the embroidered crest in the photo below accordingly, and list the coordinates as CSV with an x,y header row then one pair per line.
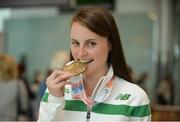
x,y
66,91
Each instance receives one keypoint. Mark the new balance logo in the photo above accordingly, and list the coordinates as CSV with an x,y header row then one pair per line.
x,y
123,96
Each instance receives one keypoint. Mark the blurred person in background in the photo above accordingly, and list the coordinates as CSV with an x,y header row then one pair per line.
x,y
140,80
165,91
105,92
31,94
13,93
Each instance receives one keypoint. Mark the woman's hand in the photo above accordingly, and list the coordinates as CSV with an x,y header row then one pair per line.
x,y
56,81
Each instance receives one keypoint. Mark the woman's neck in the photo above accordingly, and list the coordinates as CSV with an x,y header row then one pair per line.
x,y
91,80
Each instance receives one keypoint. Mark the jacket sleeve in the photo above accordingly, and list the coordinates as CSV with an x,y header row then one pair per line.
x,y
142,111
49,106
146,118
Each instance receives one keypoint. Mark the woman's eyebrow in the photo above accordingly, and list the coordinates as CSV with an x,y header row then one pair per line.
x,y
73,39
90,40
85,40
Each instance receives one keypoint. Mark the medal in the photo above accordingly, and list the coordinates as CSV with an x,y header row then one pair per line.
x,y
75,67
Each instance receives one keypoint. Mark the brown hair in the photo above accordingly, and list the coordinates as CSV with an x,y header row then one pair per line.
x,y
8,68
101,21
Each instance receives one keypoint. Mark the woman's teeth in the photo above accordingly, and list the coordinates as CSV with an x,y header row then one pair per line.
x,y
86,61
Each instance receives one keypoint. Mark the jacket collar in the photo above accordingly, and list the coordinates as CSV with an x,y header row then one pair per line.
x,y
101,91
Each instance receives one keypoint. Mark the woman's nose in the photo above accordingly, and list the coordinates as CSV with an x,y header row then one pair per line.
x,y
82,52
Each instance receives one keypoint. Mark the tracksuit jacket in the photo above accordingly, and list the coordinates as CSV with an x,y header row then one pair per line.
x,y
125,101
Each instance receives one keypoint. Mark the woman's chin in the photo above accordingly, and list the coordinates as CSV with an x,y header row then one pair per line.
x,y
87,72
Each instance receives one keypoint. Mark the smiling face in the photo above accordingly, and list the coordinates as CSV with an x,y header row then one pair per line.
x,y
88,46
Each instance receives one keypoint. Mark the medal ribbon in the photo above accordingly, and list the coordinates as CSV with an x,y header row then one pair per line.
x,y
90,102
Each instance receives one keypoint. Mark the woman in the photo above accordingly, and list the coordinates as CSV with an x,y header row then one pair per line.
x,y
13,93
109,95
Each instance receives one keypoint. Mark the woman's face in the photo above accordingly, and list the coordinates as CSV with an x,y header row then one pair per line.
x,y
88,46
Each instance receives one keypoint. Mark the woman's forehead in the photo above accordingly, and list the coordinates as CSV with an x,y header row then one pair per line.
x,y
78,31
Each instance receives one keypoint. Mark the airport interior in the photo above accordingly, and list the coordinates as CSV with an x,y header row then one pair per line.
x,y
37,33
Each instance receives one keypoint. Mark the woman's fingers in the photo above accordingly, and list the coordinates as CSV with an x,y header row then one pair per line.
x,y
56,81
62,77
57,90
54,75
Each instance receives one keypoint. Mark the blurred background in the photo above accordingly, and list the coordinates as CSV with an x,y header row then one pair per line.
x,y
36,34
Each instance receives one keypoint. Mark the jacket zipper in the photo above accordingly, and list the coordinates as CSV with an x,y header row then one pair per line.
x,y
88,115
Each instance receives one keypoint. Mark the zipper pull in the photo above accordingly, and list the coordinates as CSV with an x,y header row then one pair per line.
x,y
88,114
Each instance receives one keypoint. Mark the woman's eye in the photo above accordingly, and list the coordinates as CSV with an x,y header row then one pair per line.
x,y
92,44
75,44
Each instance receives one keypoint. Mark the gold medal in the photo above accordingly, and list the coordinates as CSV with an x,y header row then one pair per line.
x,y
75,67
